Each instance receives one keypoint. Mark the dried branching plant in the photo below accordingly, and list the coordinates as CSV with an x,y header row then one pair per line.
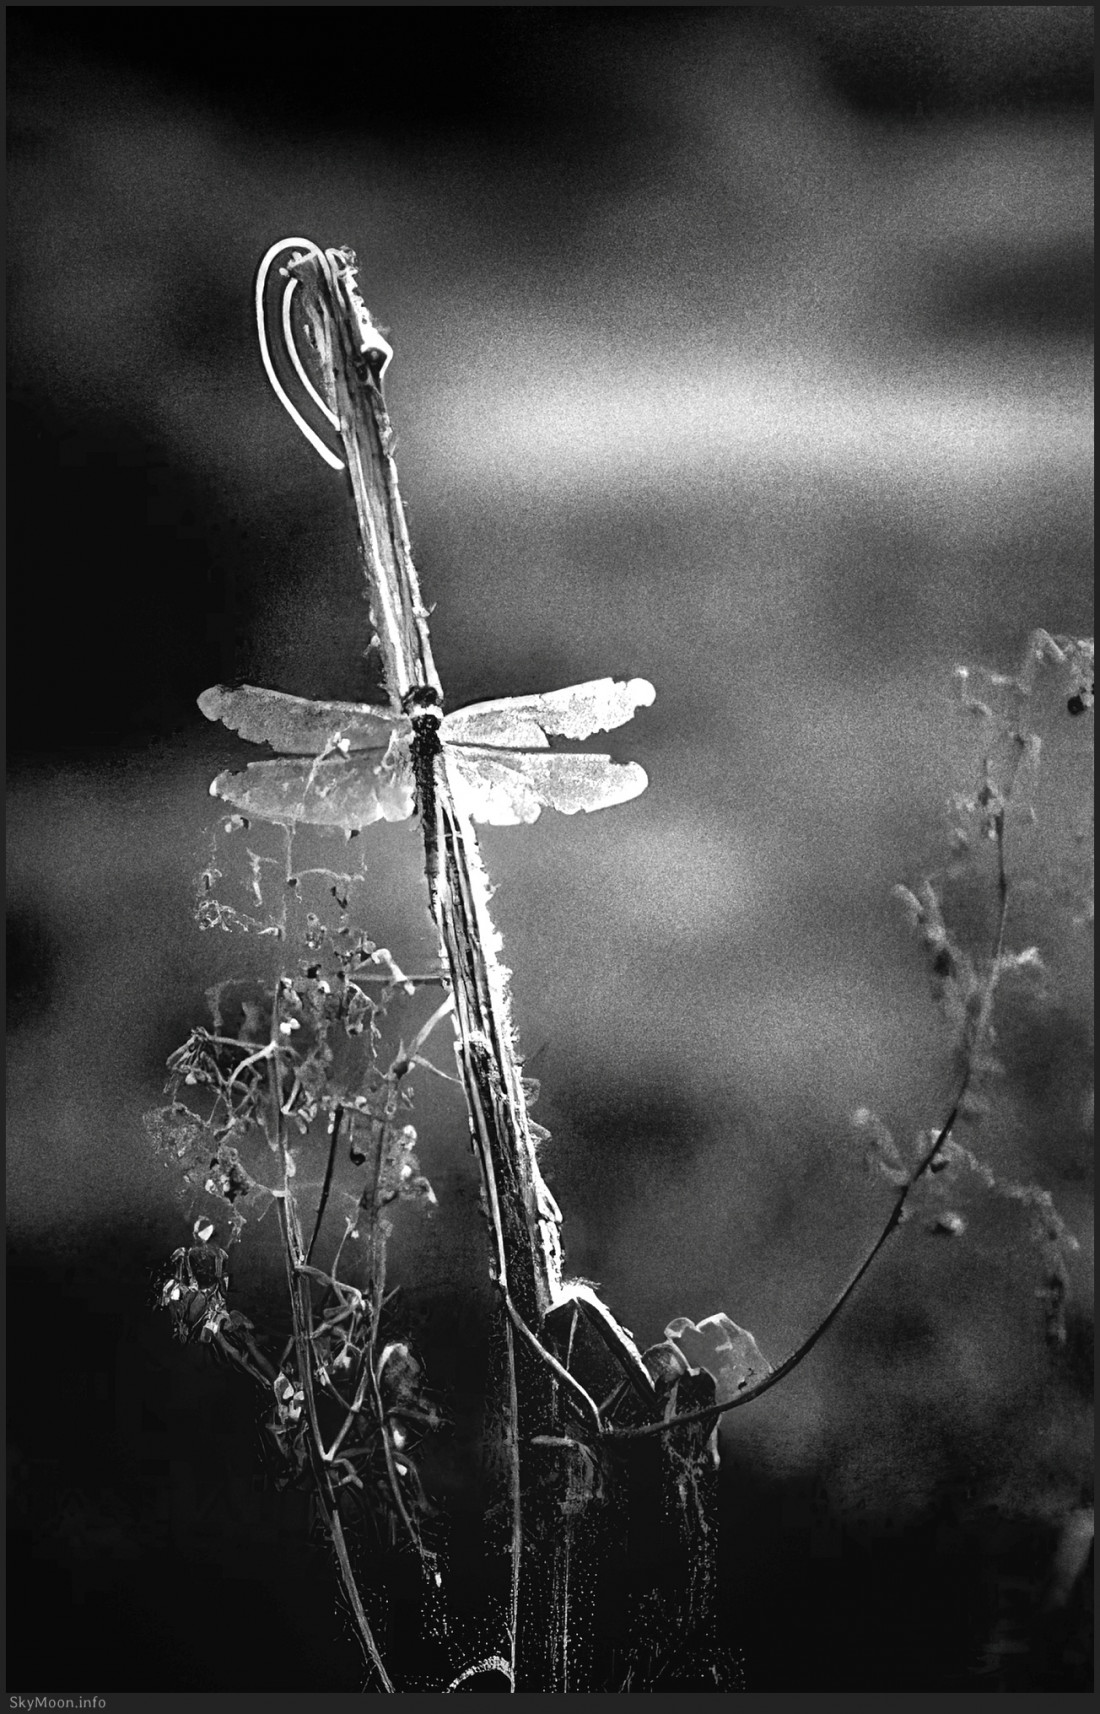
x,y
297,1096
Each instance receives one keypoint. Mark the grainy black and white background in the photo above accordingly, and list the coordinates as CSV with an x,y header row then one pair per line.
x,y
747,350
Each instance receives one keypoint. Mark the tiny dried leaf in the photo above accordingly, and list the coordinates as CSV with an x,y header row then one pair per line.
x,y
728,1353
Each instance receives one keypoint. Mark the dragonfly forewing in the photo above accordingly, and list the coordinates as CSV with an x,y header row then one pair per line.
x,y
295,724
522,722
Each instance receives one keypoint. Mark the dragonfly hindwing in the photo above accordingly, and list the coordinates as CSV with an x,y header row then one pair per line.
x,y
504,787
331,793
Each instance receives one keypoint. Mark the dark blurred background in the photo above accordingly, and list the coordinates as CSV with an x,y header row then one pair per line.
x,y
746,349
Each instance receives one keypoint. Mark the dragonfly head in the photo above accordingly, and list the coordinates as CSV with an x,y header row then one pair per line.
x,y
423,700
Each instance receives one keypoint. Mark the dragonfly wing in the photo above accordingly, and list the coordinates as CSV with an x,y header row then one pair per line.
x,y
522,722
294,723
333,793
504,787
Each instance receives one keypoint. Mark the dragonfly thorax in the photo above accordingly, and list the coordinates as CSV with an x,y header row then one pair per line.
x,y
423,705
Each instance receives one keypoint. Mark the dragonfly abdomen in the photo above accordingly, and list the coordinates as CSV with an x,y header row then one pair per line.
x,y
425,748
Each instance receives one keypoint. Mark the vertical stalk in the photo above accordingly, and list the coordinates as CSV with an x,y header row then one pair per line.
x,y
526,1264
302,1319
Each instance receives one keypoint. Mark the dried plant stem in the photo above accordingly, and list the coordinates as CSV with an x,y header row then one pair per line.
x,y
975,1032
526,1263
468,941
326,1187
302,1319
515,1497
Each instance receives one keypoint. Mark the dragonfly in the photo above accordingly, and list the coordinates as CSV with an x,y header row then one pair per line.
x,y
368,763
349,764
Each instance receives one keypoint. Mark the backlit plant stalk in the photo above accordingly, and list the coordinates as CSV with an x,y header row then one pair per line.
x,y
524,1219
